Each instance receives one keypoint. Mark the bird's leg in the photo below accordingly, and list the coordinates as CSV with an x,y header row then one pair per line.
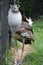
x,y
22,49
16,51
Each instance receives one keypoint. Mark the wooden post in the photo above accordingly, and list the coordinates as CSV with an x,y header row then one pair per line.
x,y
3,30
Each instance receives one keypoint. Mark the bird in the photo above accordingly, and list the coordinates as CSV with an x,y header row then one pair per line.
x,y
14,23
14,19
27,32
18,28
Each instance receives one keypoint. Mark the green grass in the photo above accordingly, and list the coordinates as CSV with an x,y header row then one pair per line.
x,y
13,44
8,57
36,57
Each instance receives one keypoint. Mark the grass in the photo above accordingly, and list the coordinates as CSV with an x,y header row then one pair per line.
x,y
19,44
36,57
8,58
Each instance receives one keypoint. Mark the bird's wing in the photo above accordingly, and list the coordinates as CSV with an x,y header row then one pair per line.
x,y
26,26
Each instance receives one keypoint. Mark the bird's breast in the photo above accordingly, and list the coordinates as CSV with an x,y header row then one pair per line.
x,y
14,18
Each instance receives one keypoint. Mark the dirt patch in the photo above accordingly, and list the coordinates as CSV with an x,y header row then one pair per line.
x,y
27,49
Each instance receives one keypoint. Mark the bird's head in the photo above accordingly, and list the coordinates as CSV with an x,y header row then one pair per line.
x,y
15,8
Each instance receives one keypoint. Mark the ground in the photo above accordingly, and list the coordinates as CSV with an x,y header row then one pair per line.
x,y
27,49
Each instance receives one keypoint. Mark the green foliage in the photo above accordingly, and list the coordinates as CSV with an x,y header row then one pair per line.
x,y
27,5
8,58
36,57
31,7
33,59
14,44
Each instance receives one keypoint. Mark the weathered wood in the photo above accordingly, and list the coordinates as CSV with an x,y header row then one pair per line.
x,y
3,30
